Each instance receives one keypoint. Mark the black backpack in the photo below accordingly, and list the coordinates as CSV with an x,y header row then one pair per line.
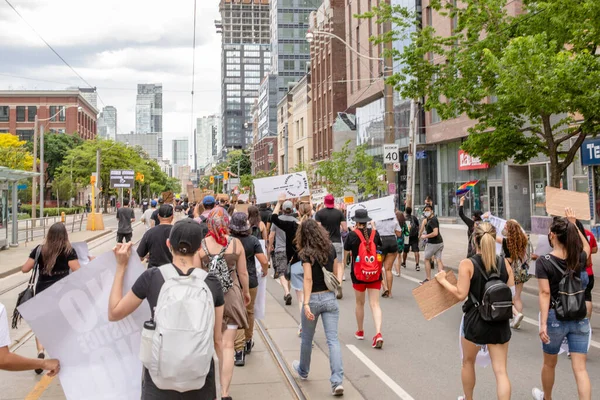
x,y
414,227
570,304
496,303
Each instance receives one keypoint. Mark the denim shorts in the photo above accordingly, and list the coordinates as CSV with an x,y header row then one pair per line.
x,y
297,274
576,332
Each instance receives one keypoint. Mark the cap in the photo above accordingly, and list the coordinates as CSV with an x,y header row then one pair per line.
x,y
161,201
208,200
288,205
239,222
153,203
361,216
165,211
329,201
186,236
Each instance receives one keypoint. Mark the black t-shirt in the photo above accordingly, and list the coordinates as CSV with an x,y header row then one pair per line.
x,y
265,215
125,215
148,286
60,270
251,247
154,242
352,243
154,218
545,270
290,228
317,272
331,220
431,225
505,249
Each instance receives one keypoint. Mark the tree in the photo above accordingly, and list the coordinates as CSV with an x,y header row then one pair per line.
x,y
530,82
56,147
367,173
13,153
241,156
336,172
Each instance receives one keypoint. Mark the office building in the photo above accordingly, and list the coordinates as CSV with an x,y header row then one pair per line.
x,y
18,109
149,111
180,154
91,95
166,167
246,58
149,143
107,123
300,124
207,129
290,51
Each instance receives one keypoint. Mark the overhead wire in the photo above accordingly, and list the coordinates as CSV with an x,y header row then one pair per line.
x,y
193,84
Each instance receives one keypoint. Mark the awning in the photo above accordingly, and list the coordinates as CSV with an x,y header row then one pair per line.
x,y
13,175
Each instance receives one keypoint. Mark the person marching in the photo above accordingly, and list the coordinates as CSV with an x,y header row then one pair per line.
x,y
470,222
562,304
54,260
487,282
401,242
514,246
317,254
435,243
154,242
365,272
413,239
388,230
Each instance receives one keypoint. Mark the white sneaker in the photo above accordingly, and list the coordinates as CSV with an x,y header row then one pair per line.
x,y
516,323
344,277
338,390
537,394
395,273
461,398
296,366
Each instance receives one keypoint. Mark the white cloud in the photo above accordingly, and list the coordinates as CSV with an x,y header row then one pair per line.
x,y
114,45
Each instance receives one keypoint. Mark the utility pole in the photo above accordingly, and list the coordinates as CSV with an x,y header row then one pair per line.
x,y
33,180
285,148
410,162
42,176
389,133
98,180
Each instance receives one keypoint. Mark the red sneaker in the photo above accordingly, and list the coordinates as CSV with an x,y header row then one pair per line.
x,y
360,335
378,341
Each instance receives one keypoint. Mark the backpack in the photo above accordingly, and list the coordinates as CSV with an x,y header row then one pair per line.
x,y
496,303
177,344
367,266
414,227
218,266
570,304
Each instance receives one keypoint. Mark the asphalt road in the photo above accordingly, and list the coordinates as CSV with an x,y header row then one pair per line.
x,y
422,358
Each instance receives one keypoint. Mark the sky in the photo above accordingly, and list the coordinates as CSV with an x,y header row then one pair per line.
x,y
114,45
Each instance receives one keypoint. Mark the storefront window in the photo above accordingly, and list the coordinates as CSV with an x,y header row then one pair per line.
x,y
539,181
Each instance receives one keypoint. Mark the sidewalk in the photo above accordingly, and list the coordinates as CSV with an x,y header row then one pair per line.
x,y
455,250
283,330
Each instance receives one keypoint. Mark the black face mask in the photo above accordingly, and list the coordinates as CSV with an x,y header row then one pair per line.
x,y
550,241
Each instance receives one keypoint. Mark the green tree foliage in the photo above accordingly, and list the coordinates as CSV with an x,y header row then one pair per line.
x,y
367,173
241,156
56,147
530,82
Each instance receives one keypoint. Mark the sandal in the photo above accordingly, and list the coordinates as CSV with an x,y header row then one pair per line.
x,y
386,293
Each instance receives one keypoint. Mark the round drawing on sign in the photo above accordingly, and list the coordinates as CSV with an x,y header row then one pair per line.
x,y
296,185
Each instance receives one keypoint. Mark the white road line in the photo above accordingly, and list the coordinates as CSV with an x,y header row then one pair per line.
x,y
531,321
401,393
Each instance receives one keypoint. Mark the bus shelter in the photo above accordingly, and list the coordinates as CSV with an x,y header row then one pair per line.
x,y
9,180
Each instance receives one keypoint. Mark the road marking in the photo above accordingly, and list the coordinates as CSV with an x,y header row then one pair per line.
x,y
40,388
410,278
401,393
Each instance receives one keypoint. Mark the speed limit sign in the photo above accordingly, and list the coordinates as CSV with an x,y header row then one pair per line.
x,y
390,154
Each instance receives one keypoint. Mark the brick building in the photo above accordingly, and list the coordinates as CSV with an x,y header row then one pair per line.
x,y
18,109
327,54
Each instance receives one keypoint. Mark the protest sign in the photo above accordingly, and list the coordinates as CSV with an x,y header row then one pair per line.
x,y
222,196
318,195
558,199
83,252
269,189
244,197
99,359
242,208
168,197
378,209
433,299
499,224
261,295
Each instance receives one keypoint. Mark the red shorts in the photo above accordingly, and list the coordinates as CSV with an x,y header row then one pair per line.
x,y
361,287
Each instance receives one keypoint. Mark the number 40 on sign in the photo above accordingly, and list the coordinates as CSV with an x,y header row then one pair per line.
x,y
390,154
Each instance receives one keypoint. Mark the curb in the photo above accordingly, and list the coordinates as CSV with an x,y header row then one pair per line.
x,y
91,239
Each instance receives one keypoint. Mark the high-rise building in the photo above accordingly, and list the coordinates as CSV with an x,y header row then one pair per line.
x,y
107,123
290,51
180,153
245,59
205,128
149,111
149,143
90,95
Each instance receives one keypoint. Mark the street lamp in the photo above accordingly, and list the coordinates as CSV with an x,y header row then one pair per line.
x,y
42,176
310,37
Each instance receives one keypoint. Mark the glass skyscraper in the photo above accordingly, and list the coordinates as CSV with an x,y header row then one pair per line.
x,y
149,111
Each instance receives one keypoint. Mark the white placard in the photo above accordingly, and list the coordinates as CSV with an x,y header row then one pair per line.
x,y
318,195
390,154
378,209
83,252
269,189
499,224
261,295
98,359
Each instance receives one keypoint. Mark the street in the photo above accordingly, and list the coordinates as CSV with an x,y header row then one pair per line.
x,y
420,359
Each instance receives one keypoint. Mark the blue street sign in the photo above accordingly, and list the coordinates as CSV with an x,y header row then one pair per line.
x,y
420,155
590,152
22,187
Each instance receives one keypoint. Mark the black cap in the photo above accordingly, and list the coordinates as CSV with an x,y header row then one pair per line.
x,y
186,236
165,211
161,200
361,216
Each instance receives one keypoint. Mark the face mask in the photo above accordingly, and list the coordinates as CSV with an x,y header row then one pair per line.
x,y
427,214
550,241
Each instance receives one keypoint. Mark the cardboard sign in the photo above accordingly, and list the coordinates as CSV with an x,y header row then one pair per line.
x,y
261,295
222,196
168,197
99,359
558,199
242,208
378,209
269,189
433,299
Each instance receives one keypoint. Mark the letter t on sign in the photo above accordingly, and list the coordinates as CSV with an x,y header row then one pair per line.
x,y
590,147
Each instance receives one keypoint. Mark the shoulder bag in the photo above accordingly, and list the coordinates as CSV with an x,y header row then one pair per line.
x,y
29,292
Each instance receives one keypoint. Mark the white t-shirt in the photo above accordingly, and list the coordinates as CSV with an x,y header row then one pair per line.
x,y
147,217
4,336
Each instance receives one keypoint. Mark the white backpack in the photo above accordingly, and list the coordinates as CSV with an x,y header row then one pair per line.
x,y
177,345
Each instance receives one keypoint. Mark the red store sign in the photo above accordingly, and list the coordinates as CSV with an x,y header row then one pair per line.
x,y
466,162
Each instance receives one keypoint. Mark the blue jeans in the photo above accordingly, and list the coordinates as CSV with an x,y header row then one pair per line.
x,y
323,305
576,332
